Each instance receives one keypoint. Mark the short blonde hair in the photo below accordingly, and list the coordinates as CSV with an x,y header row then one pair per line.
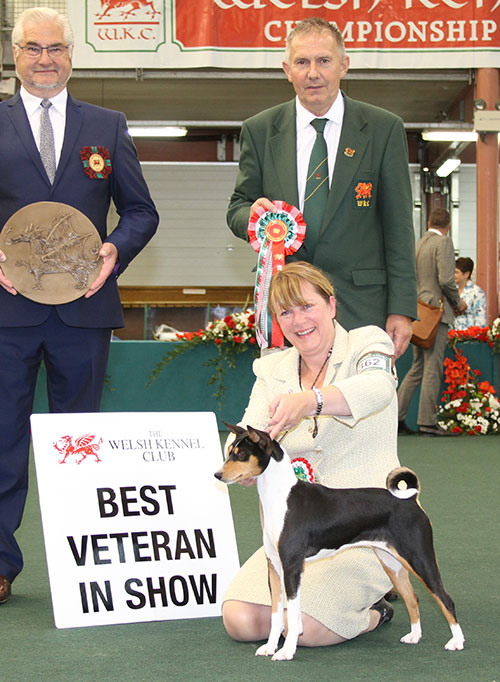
x,y
286,285
315,25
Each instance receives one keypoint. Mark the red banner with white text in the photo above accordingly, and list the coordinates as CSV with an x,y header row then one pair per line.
x,y
251,33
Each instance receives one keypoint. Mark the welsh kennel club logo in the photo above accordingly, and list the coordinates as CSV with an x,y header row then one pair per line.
x,y
125,25
80,447
363,193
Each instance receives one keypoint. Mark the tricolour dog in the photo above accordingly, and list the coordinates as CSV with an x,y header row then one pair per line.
x,y
304,521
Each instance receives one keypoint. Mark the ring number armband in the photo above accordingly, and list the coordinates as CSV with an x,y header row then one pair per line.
x,y
319,401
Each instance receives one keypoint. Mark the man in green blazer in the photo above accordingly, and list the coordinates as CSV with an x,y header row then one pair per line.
x,y
365,242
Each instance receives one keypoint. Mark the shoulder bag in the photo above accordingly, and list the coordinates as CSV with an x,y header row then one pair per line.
x,y
425,328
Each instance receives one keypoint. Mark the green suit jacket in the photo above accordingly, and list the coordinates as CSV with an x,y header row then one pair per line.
x,y
367,243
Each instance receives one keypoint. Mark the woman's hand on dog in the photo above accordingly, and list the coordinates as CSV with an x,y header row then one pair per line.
x,y
248,482
287,409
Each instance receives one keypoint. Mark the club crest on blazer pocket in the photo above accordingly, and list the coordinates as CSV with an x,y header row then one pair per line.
x,y
363,194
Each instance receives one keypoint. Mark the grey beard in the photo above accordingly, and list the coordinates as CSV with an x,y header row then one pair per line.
x,y
47,86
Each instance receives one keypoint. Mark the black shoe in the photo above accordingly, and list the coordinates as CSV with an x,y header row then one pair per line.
x,y
392,595
385,609
436,431
404,428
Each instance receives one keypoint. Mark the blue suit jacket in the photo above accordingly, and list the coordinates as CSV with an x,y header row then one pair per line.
x,y
367,243
23,181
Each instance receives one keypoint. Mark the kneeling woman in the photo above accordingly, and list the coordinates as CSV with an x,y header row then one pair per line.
x,y
351,443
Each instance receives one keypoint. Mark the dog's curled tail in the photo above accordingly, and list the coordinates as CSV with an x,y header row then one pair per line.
x,y
403,483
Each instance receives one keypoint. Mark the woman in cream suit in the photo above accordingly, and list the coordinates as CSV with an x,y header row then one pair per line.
x,y
330,400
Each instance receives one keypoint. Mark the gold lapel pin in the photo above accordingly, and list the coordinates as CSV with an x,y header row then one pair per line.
x,y
349,152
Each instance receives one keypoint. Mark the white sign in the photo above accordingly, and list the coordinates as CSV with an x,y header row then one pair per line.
x,y
136,527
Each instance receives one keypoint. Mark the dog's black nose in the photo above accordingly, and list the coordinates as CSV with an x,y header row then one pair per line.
x,y
218,474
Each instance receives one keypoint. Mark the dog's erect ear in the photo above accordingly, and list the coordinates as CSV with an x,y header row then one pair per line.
x,y
234,428
262,439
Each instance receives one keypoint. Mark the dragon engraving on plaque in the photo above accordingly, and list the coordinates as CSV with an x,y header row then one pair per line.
x,y
58,248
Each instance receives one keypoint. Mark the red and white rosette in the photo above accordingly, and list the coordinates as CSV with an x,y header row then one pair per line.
x,y
303,469
274,235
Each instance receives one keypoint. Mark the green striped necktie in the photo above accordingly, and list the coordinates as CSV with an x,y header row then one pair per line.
x,y
316,194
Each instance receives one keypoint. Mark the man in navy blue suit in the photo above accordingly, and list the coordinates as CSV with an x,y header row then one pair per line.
x,y
73,338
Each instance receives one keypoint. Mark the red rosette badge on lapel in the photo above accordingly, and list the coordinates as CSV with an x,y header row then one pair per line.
x,y
274,235
96,162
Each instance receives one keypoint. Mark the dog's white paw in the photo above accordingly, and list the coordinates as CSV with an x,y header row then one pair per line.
x,y
265,650
284,654
411,638
415,634
455,644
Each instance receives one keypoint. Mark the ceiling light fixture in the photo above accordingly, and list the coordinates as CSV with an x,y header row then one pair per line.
x,y
449,135
447,167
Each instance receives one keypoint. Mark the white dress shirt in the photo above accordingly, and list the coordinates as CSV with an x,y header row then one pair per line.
x,y
306,136
57,114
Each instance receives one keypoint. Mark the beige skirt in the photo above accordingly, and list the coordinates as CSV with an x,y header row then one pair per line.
x,y
337,591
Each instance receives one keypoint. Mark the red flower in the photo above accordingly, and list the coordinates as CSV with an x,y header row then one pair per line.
x,y
252,340
486,387
237,339
230,322
470,334
251,318
456,429
218,341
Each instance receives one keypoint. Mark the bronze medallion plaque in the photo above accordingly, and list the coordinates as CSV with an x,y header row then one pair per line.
x,y
52,252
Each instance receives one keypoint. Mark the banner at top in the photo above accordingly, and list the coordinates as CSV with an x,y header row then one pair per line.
x,y
251,33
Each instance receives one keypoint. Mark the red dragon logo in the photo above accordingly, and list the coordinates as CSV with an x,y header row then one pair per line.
x,y
364,190
134,5
82,445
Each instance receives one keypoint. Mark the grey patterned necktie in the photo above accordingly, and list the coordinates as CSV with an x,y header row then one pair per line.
x,y
47,147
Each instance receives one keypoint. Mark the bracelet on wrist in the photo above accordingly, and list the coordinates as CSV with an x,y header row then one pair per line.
x,y
319,401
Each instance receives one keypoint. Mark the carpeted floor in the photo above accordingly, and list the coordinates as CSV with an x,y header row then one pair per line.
x,y
460,493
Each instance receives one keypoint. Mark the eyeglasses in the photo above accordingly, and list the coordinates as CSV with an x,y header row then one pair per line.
x,y
35,51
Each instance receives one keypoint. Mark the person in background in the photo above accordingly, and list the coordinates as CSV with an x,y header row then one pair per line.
x,y
475,298
72,339
361,233
436,285
330,400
